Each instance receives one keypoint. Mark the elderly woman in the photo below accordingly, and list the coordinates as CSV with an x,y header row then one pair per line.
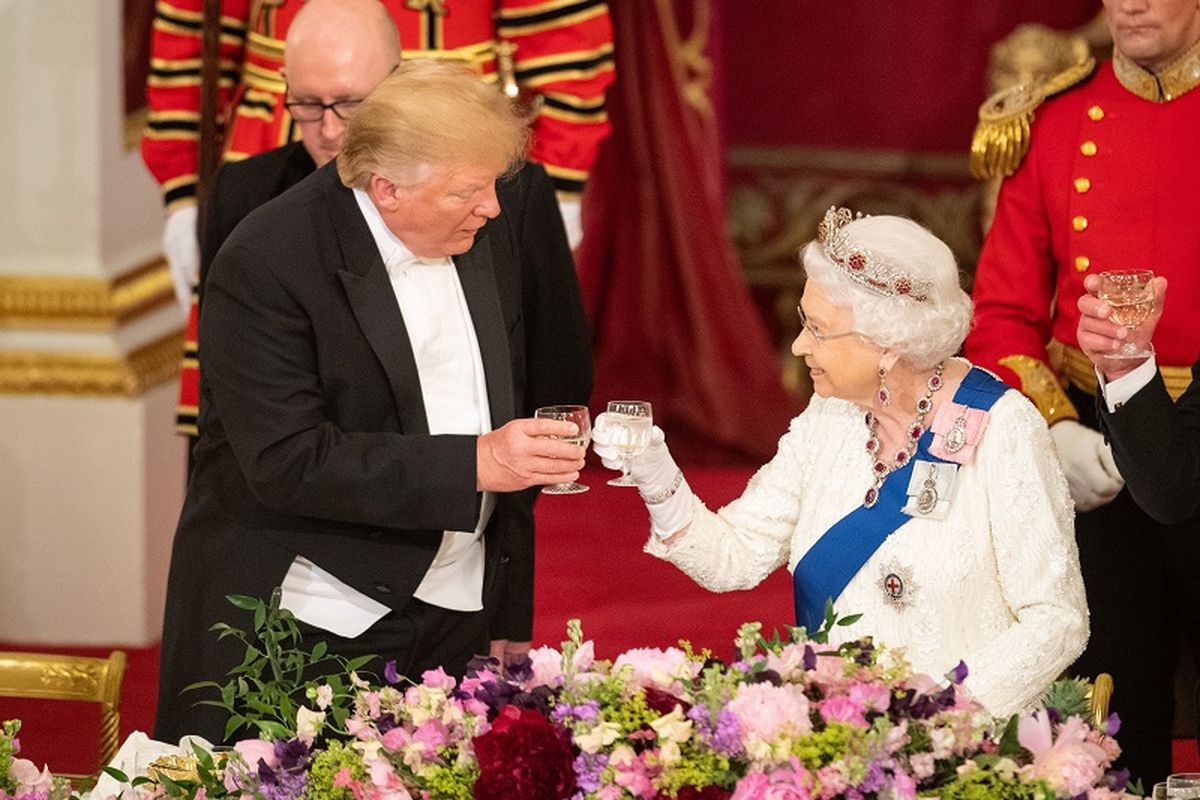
x,y
915,489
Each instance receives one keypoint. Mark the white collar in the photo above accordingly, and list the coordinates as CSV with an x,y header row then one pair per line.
x,y
393,251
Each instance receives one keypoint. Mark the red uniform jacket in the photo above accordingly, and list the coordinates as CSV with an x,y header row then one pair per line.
x,y
563,56
1110,182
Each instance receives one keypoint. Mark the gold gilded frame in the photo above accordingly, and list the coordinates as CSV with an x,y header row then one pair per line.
x,y
39,676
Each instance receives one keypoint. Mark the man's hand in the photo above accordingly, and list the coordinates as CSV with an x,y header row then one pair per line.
x,y
520,454
1098,335
1088,464
181,247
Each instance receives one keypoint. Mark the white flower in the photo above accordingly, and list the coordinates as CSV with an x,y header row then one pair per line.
x,y
674,727
669,754
602,735
324,696
309,724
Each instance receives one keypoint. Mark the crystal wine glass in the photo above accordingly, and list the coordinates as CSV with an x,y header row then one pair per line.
x,y
627,425
1130,295
583,422
1183,785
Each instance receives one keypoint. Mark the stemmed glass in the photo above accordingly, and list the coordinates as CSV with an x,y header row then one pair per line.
x,y
1130,295
1183,785
583,423
627,427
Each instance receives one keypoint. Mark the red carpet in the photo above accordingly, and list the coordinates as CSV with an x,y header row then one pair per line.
x,y
590,565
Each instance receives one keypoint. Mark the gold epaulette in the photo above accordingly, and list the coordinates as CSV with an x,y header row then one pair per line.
x,y
1042,386
1001,137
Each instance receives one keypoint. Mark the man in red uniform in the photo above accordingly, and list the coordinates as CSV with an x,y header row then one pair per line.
x,y
560,53
1108,182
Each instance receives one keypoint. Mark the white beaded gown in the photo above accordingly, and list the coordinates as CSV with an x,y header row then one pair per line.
x,y
996,583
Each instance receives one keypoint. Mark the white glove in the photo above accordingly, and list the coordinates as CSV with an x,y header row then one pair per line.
x,y
181,246
1087,462
572,215
666,493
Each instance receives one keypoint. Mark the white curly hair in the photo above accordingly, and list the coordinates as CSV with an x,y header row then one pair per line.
x,y
922,332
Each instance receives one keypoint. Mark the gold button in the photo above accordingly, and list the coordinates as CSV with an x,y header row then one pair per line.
x,y
1079,223
1082,185
1088,148
1095,113
1082,263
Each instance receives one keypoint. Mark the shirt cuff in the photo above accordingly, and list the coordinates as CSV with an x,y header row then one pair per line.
x,y
1117,392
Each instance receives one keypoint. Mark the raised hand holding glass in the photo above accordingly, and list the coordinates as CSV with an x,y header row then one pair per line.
x,y
1130,295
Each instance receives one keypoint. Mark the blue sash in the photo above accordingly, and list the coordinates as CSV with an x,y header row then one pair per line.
x,y
833,561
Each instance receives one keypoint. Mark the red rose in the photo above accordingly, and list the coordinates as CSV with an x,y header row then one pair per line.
x,y
525,756
664,702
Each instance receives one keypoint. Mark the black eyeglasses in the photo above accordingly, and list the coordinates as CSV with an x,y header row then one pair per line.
x,y
311,111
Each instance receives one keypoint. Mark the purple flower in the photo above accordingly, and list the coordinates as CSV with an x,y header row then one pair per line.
x,y
959,673
292,754
390,674
1113,724
810,658
587,770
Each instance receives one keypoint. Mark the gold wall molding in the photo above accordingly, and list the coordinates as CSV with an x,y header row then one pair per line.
x,y
90,304
875,162
85,374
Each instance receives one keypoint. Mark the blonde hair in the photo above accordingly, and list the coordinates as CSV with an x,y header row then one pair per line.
x,y
430,112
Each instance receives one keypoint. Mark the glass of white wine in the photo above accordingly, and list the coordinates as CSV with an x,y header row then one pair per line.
x,y
583,423
627,426
1183,785
1130,295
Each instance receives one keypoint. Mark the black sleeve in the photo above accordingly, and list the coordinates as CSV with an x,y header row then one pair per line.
x,y
261,369
1156,444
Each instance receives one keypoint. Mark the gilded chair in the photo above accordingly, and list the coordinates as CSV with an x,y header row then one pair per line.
x,y
40,676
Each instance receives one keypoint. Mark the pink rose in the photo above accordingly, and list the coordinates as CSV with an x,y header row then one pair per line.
x,y
437,679
765,712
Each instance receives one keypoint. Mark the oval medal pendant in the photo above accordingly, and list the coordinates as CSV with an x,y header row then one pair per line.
x,y
927,499
956,437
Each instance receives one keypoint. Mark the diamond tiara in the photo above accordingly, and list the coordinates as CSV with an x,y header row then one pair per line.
x,y
860,264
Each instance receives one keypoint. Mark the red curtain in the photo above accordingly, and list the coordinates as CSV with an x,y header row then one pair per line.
x,y
673,322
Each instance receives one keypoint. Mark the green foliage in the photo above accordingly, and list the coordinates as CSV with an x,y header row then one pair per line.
x,y
1069,697
750,638
276,677
8,735
988,785
445,783
328,762
699,767
824,746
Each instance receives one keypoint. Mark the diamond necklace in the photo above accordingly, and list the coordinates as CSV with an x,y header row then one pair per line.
x,y
881,469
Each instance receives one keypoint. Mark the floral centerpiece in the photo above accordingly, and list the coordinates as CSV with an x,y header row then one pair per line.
x,y
20,779
789,718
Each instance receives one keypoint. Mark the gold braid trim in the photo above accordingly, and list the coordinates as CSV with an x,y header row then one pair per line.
x,y
1041,386
1001,137
1079,372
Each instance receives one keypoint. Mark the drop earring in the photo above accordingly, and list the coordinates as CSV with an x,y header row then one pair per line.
x,y
885,396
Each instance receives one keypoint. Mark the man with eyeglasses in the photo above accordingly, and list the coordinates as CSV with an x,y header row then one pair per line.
x,y
336,53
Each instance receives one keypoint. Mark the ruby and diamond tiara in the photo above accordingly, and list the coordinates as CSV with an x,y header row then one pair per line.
x,y
861,265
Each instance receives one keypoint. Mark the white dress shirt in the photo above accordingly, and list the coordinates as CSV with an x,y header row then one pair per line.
x,y
454,391
1117,392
